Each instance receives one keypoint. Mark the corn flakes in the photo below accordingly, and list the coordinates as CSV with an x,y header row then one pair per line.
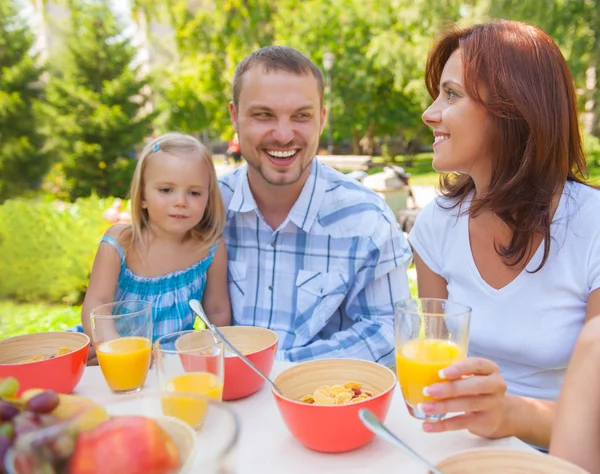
x,y
37,358
350,392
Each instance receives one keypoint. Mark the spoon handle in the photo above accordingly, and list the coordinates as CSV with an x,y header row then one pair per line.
x,y
243,357
373,423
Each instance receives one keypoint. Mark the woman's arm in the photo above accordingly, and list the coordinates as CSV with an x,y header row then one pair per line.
x,y
476,387
429,284
576,434
216,296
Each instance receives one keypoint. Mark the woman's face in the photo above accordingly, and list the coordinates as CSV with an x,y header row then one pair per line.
x,y
461,127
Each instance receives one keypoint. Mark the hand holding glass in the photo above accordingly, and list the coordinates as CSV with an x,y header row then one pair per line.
x,y
122,337
431,334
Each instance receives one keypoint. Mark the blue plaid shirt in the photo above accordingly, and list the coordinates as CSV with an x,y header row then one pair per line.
x,y
327,279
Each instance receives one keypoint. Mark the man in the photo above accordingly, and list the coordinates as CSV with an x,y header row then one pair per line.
x,y
313,255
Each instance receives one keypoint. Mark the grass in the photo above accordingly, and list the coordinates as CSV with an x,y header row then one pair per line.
x,y
16,319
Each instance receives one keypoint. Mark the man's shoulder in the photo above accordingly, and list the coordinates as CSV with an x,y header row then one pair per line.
x,y
228,183
350,206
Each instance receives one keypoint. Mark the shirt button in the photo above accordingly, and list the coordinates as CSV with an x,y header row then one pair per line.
x,y
270,288
273,244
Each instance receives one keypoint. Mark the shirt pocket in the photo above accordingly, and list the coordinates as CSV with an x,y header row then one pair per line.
x,y
320,294
236,278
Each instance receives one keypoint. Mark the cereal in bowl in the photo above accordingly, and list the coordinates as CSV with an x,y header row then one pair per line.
x,y
350,392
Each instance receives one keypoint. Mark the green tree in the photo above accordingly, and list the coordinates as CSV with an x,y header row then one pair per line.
x,y
368,100
23,161
212,36
97,104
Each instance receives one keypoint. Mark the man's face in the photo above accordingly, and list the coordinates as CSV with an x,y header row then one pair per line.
x,y
279,119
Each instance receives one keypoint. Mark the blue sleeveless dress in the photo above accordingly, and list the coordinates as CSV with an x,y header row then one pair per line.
x,y
169,294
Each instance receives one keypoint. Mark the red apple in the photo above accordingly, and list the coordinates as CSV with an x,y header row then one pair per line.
x,y
127,444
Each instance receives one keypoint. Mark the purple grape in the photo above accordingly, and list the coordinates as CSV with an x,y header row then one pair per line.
x,y
43,402
25,422
7,411
4,445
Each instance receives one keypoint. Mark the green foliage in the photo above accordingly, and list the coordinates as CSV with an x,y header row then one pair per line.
x,y
17,319
22,160
97,104
46,249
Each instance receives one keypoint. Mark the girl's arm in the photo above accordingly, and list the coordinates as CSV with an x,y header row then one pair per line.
x,y
576,433
429,284
103,281
216,296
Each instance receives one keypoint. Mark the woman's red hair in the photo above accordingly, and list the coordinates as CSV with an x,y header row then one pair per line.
x,y
530,95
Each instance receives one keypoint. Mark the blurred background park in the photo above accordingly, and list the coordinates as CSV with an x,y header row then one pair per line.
x,y
84,83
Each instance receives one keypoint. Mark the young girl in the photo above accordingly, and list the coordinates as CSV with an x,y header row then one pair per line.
x,y
172,251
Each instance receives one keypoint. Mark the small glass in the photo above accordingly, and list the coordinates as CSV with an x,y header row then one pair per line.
x,y
122,337
189,362
431,334
209,451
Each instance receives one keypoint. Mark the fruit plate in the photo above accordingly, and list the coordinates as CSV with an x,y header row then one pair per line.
x,y
217,439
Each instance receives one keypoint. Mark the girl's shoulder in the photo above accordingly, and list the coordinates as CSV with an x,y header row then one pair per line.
x,y
119,232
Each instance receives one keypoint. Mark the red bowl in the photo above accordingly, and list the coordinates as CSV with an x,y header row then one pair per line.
x,y
259,345
332,428
61,373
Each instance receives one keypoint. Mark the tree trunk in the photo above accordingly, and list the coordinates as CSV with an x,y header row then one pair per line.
x,y
355,142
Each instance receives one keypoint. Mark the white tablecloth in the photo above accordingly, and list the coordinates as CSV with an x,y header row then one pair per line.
x,y
266,446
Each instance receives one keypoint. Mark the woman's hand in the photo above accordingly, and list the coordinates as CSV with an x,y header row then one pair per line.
x,y
476,388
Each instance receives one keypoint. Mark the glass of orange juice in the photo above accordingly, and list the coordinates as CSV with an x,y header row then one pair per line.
x,y
189,362
431,334
122,336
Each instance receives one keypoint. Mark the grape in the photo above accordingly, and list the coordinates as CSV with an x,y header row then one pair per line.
x,y
9,387
25,422
5,443
43,402
6,429
7,411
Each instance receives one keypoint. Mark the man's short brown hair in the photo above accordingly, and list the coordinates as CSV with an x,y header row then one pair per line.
x,y
276,58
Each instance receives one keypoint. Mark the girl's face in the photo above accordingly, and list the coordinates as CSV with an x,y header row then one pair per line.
x,y
175,192
461,127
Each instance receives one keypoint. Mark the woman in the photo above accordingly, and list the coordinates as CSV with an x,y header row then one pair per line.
x,y
515,234
576,433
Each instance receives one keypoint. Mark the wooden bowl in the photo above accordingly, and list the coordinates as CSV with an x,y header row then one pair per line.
x,y
332,428
257,344
61,373
504,461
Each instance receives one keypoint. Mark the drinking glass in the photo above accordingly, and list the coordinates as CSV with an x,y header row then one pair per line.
x,y
431,334
122,337
189,362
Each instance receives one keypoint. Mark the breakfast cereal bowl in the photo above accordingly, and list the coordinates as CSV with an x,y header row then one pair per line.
x,y
47,360
333,428
505,461
257,344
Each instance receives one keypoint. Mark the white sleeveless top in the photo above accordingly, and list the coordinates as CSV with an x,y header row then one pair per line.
x,y
529,327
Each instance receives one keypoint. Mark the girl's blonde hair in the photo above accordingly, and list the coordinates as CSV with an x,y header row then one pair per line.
x,y
209,229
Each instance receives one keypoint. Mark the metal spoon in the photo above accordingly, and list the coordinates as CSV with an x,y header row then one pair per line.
x,y
377,427
197,308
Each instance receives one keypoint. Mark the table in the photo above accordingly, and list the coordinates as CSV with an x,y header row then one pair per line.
x,y
267,447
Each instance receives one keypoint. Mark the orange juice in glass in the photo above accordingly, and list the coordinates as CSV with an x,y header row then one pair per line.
x,y
431,334
189,362
122,335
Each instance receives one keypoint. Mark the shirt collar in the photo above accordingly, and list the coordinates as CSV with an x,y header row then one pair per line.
x,y
306,207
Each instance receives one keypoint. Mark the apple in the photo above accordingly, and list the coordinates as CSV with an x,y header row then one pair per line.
x,y
127,444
